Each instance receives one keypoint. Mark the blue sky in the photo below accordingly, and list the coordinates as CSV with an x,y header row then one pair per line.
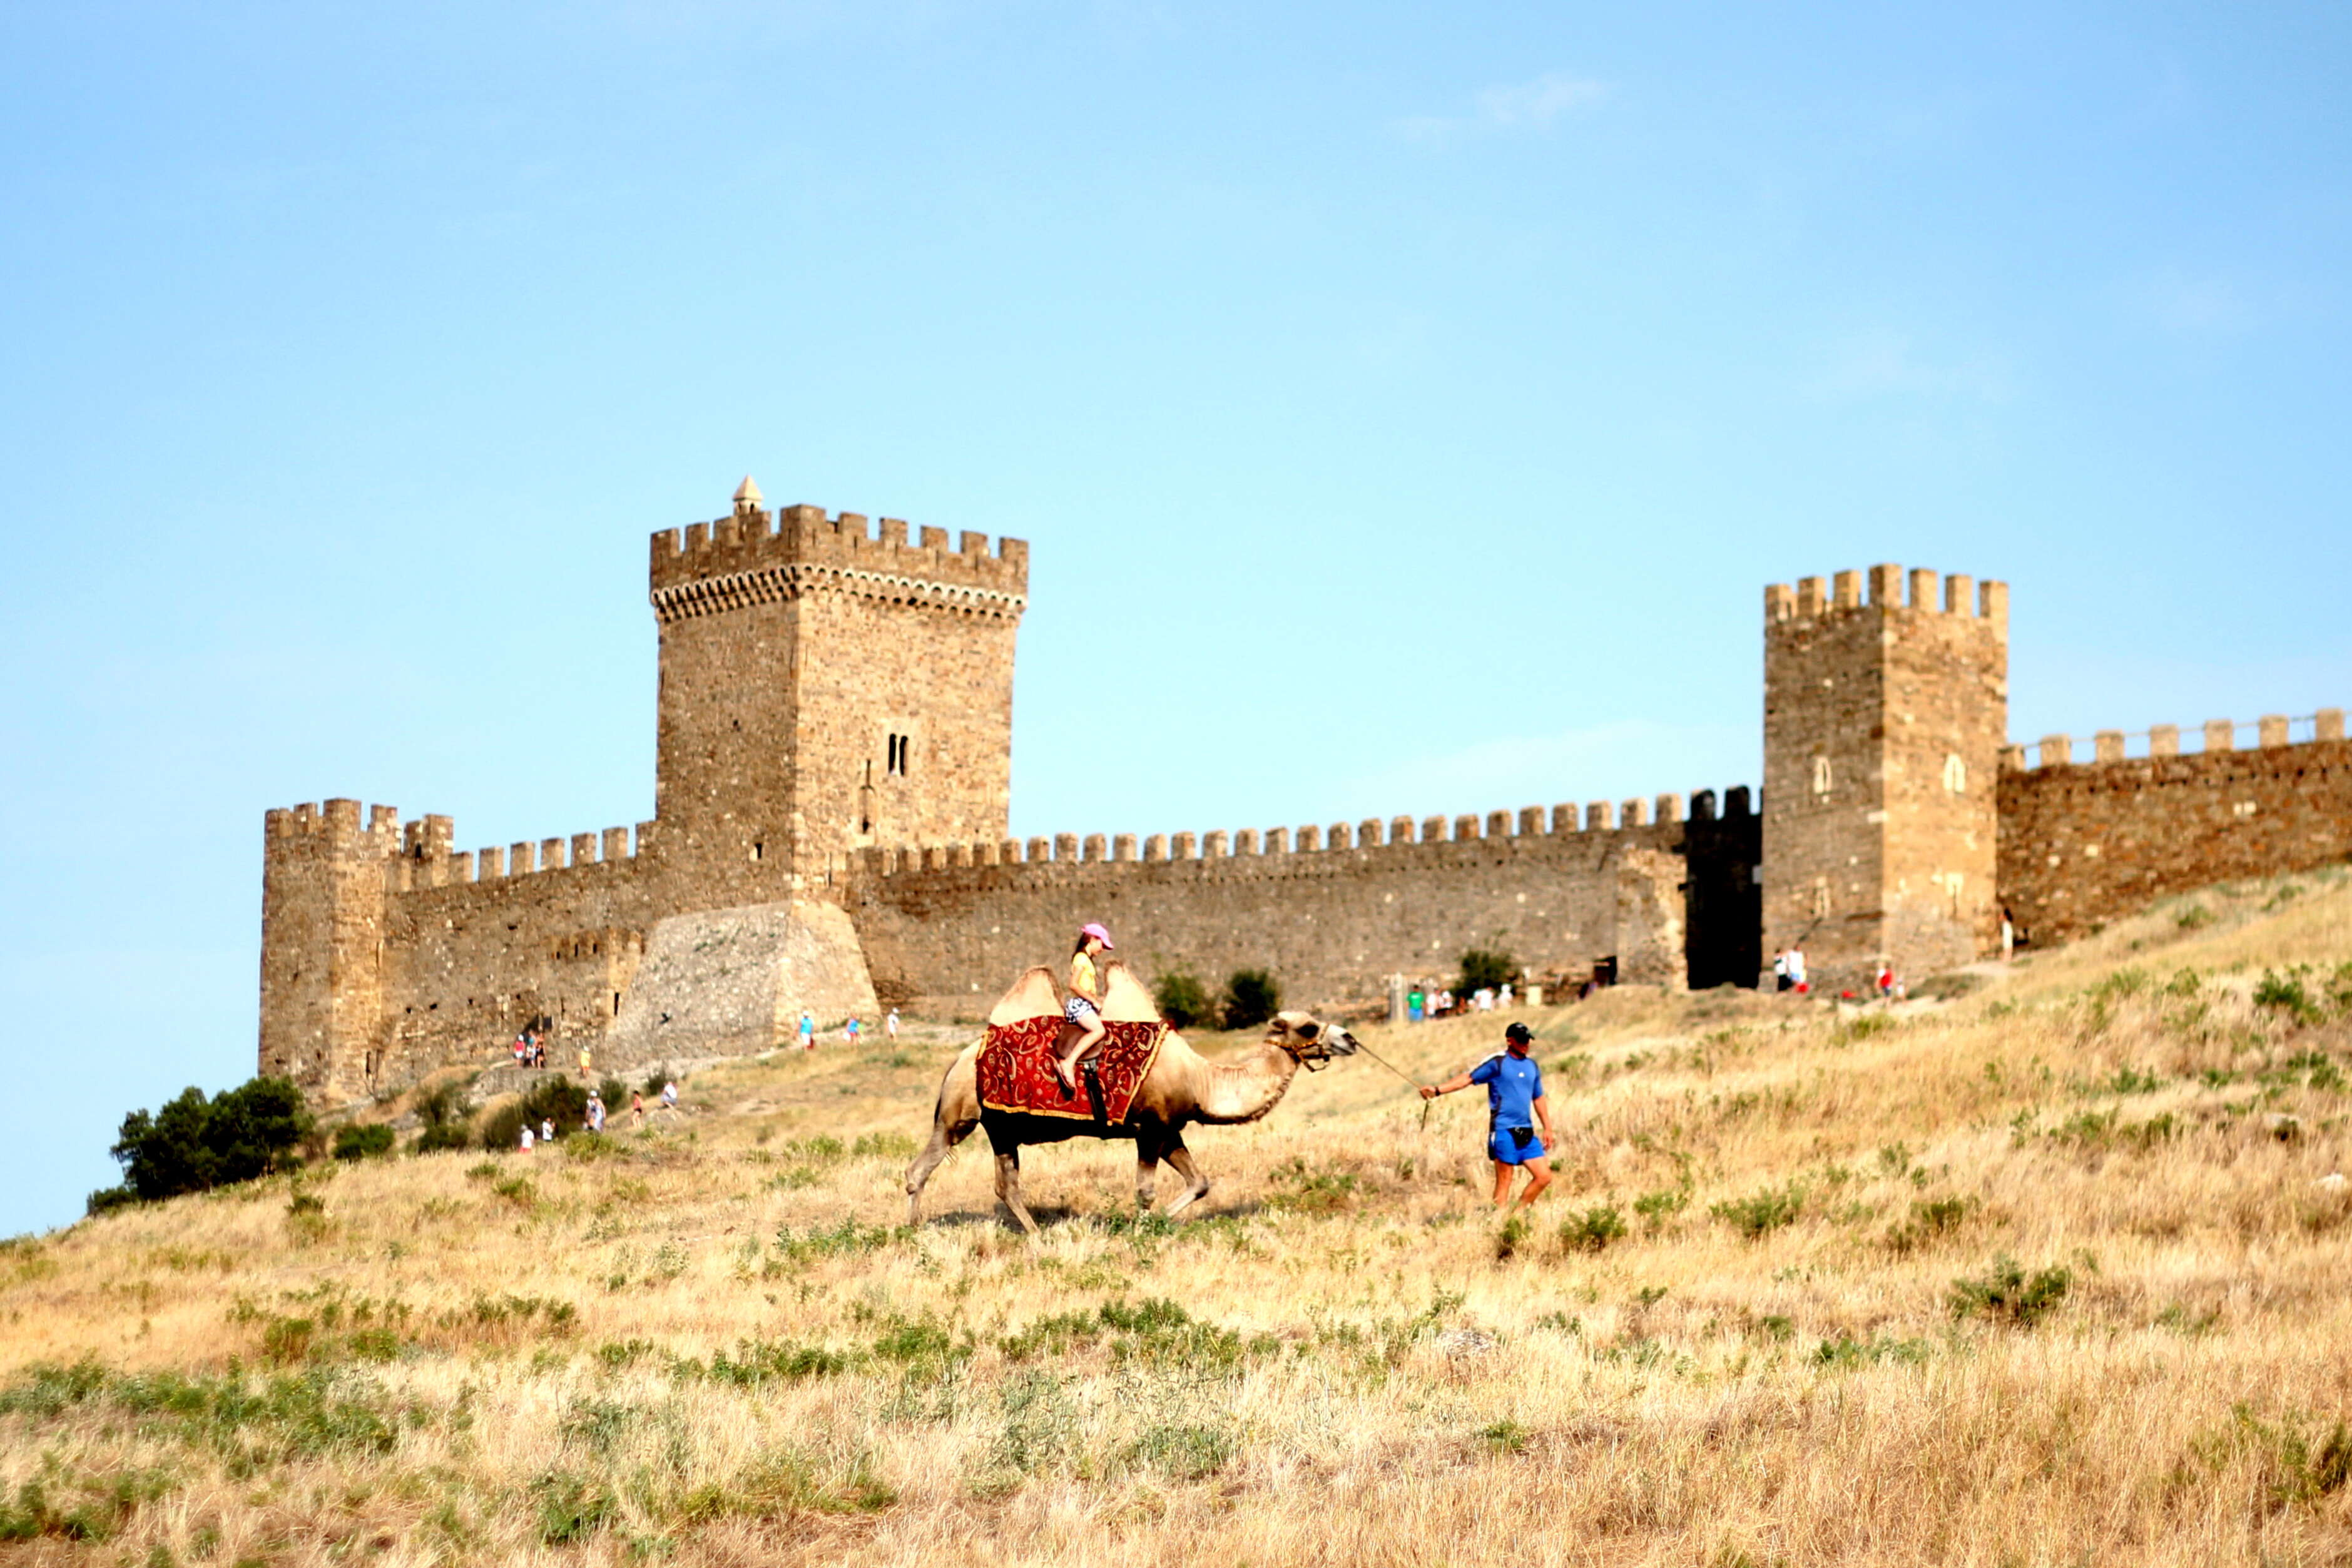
x,y
1406,405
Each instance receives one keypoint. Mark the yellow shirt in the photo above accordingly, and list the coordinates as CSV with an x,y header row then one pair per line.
x,y
1082,977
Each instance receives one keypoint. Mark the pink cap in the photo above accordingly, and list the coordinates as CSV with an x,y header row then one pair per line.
x,y
1097,931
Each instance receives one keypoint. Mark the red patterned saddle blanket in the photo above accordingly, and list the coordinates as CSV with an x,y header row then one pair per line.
x,y
1016,1070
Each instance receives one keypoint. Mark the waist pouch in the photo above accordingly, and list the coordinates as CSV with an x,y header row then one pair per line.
x,y
1522,1136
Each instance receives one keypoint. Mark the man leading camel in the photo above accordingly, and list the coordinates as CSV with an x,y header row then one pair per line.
x,y
1514,1099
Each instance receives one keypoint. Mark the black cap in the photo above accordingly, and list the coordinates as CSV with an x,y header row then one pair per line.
x,y
1519,1033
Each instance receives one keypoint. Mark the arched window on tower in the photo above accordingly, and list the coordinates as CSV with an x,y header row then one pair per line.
x,y
1956,775
1820,775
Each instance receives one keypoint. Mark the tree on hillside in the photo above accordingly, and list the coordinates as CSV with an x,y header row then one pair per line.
x,y
195,1144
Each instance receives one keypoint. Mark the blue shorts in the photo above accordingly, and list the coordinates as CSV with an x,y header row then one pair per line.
x,y
1505,1149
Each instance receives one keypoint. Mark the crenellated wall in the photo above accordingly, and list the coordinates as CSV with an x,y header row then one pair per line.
x,y
835,693
2085,842
386,954
1331,910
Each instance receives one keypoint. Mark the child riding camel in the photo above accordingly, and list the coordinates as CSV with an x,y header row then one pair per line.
x,y
1084,1005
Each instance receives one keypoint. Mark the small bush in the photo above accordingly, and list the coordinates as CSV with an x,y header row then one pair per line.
x,y
1661,1206
107,1198
444,1135
1304,1191
2196,916
1252,996
1486,968
2286,993
2006,1294
359,1141
1950,987
1183,1000
1930,1220
571,1509
1184,1453
1760,1213
1592,1230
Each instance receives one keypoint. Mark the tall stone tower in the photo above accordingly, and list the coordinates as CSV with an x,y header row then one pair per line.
x,y
1883,728
824,690
323,929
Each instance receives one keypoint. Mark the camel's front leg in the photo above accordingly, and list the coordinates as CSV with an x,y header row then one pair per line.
x,y
1146,1175
1196,1185
944,1137
1008,1186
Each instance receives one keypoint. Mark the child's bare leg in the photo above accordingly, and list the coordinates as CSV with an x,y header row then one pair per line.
x,y
1090,1034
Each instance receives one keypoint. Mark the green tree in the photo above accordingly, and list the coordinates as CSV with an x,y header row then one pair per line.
x,y
195,1144
1182,1000
1486,968
1252,996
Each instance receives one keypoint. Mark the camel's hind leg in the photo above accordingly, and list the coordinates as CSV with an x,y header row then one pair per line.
x,y
1008,1186
1196,1185
945,1136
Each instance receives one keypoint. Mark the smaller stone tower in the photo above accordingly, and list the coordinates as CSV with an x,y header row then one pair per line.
x,y
1883,723
322,928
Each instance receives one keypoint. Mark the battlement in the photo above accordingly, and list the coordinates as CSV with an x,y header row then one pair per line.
x,y
1639,816
2217,737
753,557
420,853
1961,596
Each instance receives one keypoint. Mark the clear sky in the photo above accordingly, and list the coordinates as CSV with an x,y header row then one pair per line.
x,y
1406,405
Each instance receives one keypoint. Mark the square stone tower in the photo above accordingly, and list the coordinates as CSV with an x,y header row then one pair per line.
x,y
824,690
1883,723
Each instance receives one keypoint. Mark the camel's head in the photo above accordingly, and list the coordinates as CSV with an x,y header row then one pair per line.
x,y
1310,1041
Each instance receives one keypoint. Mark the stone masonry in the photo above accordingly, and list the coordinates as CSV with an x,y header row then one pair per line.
x,y
1883,721
832,798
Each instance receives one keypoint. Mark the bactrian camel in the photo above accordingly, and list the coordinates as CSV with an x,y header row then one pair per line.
x,y
1183,1087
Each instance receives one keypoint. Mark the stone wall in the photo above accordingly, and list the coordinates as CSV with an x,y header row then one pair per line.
x,y
1331,912
2082,843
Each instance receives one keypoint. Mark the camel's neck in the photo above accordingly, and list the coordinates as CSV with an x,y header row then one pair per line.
x,y
1247,1089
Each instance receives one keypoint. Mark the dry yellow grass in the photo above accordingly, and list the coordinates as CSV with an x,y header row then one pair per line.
x,y
707,1343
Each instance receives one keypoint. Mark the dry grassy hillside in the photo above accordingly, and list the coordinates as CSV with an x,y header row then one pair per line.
x,y
2053,1273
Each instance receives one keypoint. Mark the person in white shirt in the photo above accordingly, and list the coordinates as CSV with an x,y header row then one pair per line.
x,y
526,1137
890,1024
547,1130
669,1095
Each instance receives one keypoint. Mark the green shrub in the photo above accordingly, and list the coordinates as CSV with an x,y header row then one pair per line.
x,y
1950,987
1252,996
444,1135
1661,1206
1592,1230
1760,1213
571,1509
195,1144
1929,1219
1184,1453
1304,1191
2005,1293
1182,1000
359,1139
2286,993
1486,968
106,1198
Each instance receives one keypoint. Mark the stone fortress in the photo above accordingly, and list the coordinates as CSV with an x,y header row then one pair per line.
x,y
832,802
